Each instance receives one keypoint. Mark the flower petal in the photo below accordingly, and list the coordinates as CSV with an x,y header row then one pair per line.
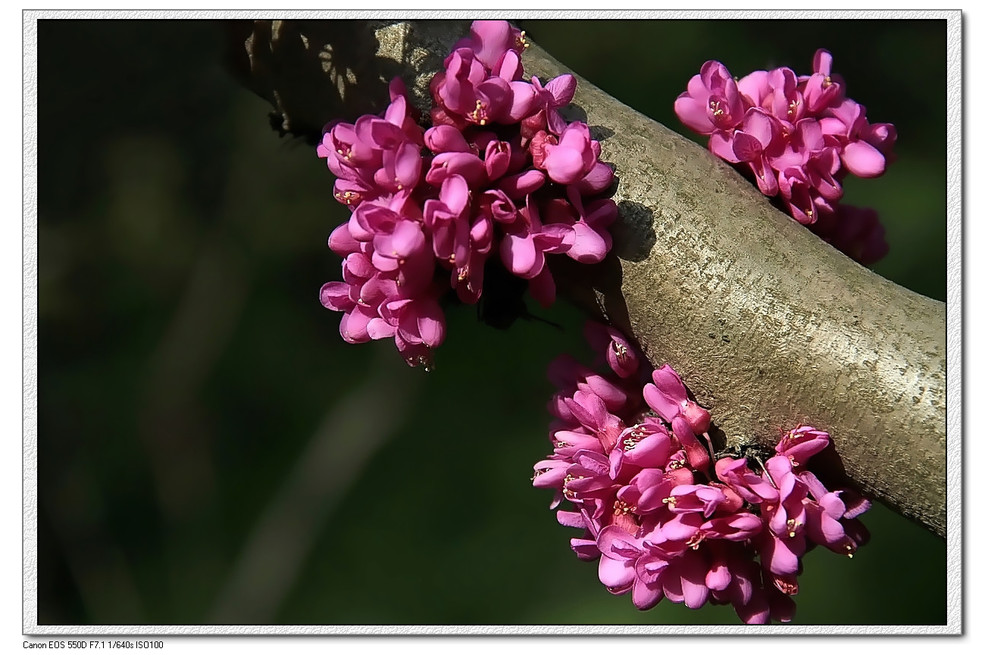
x,y
863,159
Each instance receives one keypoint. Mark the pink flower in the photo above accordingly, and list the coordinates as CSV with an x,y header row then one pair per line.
x,y
646,445
712,100
822,89
801,443
429,209
418,324
784,100
664,525
570,156
755,144
785,542
752,487
558,92
527,241
845,126
669,398
694,498
807,153
490,40
590,241
590,411
619,353
799,195
447,217
798,136
620,552
570,376
467,93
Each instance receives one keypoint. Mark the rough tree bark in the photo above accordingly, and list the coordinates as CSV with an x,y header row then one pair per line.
x,y
767,324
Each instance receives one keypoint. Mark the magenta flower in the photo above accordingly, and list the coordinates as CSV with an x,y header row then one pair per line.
x,y
799,196
712,101
617,565
568,157
669,398
590,239
590,411
570,376
418,325
619,353
756,144
797,136
468,92
527,241
784,100
446,217
646,445
863,147
752,487
491,40
430,208
785,542
556,93
661,523
822,89
802,442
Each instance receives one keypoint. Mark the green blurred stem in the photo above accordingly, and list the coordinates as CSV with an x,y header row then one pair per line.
x,y
768,325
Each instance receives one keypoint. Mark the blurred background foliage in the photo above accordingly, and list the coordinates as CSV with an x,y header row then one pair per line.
x,y
211,451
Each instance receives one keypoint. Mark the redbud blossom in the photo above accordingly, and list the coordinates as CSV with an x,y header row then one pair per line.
x,y
798,137
661,522
499,174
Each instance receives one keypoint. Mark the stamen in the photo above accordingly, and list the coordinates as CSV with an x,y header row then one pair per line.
x,y
620,507
347,197
621,351
479,113
788,588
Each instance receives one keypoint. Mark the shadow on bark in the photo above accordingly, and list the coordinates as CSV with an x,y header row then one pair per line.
x,y
633,236
314,72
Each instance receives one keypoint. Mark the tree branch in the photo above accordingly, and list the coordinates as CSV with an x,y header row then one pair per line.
x,y
767,324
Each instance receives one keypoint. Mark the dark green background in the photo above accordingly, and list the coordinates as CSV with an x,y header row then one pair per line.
x,y
209,448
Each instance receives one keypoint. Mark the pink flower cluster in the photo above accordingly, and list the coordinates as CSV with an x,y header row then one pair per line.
x,y
500,173
798,136
662,518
